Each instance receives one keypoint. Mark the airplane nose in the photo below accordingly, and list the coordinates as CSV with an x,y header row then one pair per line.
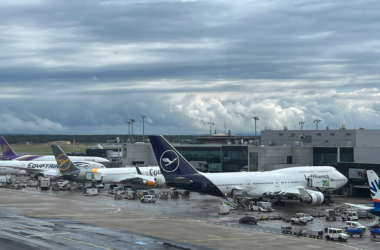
x,y
344,178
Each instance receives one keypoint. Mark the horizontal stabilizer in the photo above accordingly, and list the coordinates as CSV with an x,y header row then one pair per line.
x,y
181,180
359,206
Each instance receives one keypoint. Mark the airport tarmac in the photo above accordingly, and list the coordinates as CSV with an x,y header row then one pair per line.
x,y
69,220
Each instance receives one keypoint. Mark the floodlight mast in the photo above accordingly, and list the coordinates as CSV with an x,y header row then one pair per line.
x,y
256,118
132,121
317,121
301,123
143,116
129,130
211,123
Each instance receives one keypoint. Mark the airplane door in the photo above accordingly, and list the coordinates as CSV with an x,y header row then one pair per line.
x,y
204,185
277,183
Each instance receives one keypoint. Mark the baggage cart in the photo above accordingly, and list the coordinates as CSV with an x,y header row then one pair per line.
x,y
355,231
164,195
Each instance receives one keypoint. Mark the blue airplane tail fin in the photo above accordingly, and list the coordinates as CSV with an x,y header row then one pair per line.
x,y
6,148
170,161
374,184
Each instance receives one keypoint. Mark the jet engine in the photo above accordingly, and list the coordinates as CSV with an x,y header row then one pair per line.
x,y
160,180
147,183
314,198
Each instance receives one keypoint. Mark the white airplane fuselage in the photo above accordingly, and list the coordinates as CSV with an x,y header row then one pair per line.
x,y
51,167
257,183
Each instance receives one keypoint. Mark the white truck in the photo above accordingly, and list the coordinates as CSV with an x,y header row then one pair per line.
x,y
353,224
261,206
335,234
301,218
44,183
349,214
6,179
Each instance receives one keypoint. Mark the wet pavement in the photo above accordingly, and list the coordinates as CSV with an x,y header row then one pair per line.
x,y
69,220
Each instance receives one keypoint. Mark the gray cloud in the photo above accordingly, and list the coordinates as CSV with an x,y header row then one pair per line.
x,y
88,66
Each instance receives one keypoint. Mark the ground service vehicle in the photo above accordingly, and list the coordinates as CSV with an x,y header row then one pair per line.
x,y
349,215
6,179
354,224
44,183
299,220
307,216
148,199
332,214
335,234
248,220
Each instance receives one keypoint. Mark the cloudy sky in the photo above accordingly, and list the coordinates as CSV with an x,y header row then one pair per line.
x,y
86,67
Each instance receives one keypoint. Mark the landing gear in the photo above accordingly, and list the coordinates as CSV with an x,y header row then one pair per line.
x,y
113,185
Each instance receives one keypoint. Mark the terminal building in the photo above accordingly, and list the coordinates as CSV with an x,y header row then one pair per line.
x,y
350,151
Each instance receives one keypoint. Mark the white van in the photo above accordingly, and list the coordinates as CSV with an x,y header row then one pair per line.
x,y
148,198
354,224
350,215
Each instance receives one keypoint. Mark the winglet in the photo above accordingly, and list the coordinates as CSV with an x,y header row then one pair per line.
x,y
374,185
65,165
6,148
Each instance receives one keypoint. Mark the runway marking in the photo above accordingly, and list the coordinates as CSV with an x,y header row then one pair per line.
x,y
35,231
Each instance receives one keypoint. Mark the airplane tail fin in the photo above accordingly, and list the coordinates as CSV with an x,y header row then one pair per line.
x,y
65,165
170,161
374,184
6,148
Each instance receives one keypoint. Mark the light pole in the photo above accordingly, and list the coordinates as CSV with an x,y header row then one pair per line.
x,y
211,123
301,123
317,121
256,118
143,116
129,130
132,121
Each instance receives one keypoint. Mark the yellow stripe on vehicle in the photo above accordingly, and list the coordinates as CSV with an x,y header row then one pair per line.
x,y
94,170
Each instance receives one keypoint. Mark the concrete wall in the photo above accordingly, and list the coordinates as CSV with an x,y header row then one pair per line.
x,y
139,152
367,155
276,157
368,138
332,138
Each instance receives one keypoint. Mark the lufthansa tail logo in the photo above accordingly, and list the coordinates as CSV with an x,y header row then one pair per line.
x,y
63,162
5,148
169,161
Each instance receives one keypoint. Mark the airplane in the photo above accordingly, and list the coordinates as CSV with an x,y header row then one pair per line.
x,y
293,181
40,168
374,185
130,176
9,154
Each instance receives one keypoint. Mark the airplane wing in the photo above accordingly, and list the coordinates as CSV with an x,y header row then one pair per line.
x,y
294,191
359,206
